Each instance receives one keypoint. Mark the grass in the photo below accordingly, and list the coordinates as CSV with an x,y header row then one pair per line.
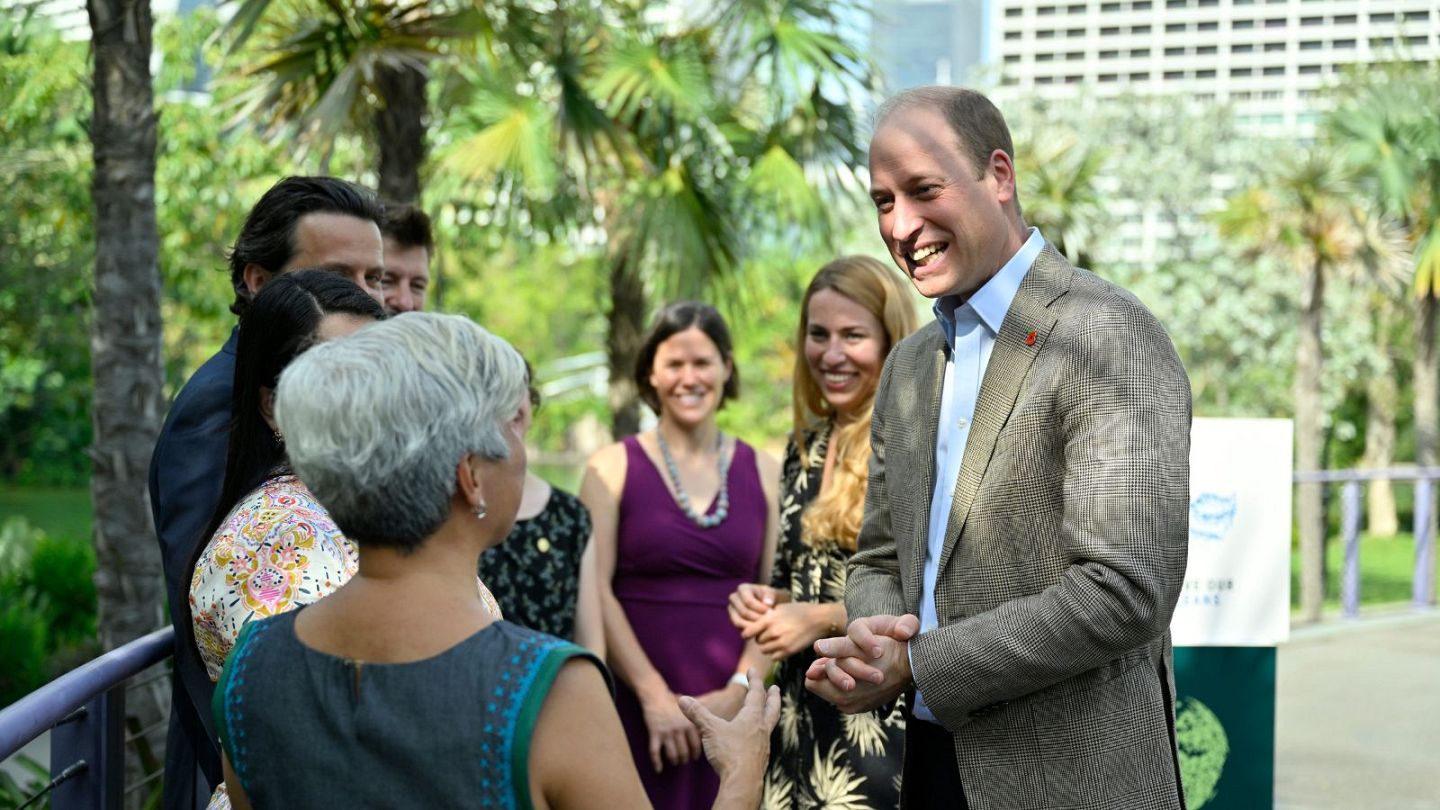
x,y
60,512
1387,568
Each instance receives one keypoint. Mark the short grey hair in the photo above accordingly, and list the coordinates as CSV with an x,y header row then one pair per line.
x,y
376,423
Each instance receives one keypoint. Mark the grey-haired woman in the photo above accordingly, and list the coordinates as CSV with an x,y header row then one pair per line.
x,y
401,689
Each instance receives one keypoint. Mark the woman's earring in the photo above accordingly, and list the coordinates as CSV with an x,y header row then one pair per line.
x,y
279,437
480,511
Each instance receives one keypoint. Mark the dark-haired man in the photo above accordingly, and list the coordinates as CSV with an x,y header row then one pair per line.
x,y
299,222
408,246
1025,530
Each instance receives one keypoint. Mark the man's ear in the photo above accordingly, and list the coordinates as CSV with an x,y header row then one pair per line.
x,y
255,277
1004,170
267,406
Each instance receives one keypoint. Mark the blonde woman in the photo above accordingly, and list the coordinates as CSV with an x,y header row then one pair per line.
x,y
854,311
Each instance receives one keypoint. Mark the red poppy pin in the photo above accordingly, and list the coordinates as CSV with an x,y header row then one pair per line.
x,y
1030,339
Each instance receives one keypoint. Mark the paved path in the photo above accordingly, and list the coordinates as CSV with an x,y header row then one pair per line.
x,y
1358,708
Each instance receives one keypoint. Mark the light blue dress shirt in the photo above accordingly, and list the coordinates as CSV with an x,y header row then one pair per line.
x,y
970,328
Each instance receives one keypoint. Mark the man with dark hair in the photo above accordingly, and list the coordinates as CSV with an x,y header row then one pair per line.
x,y
1026,522
408,246
300,222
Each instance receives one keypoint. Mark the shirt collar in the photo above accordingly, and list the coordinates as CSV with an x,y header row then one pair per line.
x,y
993,299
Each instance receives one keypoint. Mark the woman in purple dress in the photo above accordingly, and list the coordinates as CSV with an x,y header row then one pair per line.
x,y
682,516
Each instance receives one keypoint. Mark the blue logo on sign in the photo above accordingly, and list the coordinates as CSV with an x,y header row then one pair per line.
x,y
1212,516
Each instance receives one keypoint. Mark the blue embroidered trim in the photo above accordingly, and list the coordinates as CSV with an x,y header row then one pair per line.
x,y
234,708
502,707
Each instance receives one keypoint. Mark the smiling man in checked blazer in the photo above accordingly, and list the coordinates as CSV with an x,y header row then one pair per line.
x,y
1028,499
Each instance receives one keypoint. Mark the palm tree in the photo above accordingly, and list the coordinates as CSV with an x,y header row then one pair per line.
x,y
125,325
1059,192
682,144
1307,215
1385,121
361,64
125,333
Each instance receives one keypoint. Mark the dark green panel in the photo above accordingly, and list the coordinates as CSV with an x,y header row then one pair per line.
x,y
1225,719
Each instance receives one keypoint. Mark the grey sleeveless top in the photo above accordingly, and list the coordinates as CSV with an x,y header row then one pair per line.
x,y
303,729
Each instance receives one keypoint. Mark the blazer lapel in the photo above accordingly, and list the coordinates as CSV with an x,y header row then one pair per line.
x,y
1010,362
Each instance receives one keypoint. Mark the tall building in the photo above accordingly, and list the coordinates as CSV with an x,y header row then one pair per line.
x,y
1267,58
919,42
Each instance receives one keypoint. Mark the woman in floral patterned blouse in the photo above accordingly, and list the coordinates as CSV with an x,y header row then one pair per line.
x,y
854,311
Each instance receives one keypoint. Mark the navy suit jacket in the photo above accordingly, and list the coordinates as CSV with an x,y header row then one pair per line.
x,y
186,473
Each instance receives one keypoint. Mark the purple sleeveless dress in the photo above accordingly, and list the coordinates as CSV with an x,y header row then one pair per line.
x,y
673,580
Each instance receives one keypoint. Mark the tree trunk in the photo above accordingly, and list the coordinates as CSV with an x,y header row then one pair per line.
x,y
1382,402
125,332
1427,399
400,131
626,321
1310,358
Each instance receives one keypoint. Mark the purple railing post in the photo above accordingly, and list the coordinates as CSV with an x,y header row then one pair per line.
x,y
1423,583
1350,522
95,736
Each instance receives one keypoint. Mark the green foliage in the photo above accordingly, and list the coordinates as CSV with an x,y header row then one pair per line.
x,y
23,645
1384,124
23,636
45,258
61,582
16,792
47,606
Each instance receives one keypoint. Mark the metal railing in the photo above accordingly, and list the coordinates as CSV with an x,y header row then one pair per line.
x,y
1422,586
84,711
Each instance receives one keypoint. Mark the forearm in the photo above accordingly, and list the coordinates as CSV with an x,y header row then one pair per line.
x,y
625,655
743,788
751,658
589,621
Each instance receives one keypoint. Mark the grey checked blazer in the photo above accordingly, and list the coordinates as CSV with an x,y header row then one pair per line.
x,y
1065,551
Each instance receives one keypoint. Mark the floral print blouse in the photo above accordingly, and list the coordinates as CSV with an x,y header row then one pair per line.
x,y
275,551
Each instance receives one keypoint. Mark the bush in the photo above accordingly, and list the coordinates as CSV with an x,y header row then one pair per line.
x,y
62,583
22,647
47,607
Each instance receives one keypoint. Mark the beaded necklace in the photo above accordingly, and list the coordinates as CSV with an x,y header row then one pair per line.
x,y
722,505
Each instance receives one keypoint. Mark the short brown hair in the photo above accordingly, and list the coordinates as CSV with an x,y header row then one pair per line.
x,y
408,226
977,123
672,320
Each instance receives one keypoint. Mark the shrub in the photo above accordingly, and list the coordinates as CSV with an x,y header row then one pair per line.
x,y
22,647
62,581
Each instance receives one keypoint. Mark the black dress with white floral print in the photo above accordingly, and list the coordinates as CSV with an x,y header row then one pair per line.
x,y
819,757
535,573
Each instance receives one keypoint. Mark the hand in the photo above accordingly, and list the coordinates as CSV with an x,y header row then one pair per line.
x,y
789,628
866,668
672,738
750,601
739,748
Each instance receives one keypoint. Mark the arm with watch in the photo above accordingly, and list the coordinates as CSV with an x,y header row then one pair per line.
x,y
726,700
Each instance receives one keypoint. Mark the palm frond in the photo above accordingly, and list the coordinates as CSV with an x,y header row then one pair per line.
x,y
515,137
644,74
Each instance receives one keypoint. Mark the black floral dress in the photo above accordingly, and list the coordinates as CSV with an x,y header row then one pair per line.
x,y
535,573
819,757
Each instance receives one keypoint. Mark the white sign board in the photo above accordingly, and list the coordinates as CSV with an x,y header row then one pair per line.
x,y
1237,582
